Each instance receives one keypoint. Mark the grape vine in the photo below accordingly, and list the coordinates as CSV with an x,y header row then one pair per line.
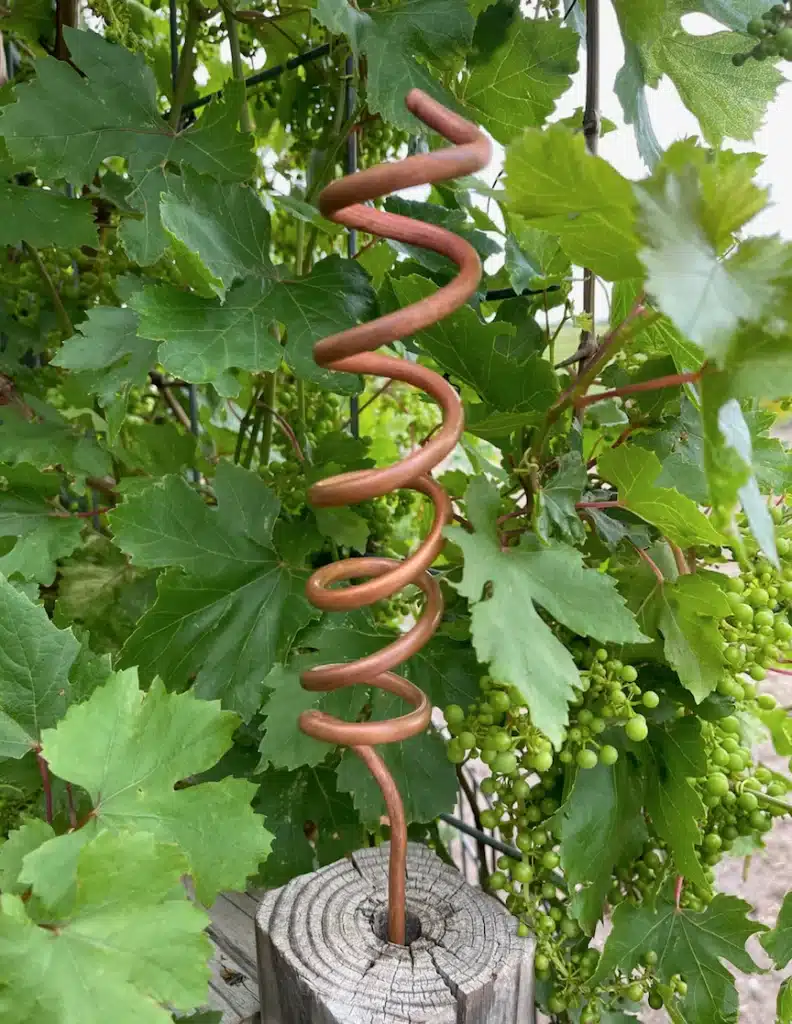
x,y
618,572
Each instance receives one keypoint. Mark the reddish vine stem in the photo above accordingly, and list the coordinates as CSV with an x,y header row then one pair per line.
x,y
599,504
46,782
679,885
81,515
669,381
651,563
72,808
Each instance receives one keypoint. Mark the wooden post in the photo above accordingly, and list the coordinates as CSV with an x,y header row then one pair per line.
x,y
323,958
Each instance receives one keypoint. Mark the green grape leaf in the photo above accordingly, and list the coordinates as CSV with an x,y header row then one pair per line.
x,y
128,749
455,220
630,88
303,803
343,526
28,513
555,510
426,779
223,615
690,943
64,124
517,85
784,1002
727,101
506,372
778,942
634,471
143,237
554,184
22,841
130,941
688,615
674,756
49,439
336,639
35,659
508,633
706,297
42,218
204,339
728,461
401,43
534,259
221,232
99,590
601,827
110,358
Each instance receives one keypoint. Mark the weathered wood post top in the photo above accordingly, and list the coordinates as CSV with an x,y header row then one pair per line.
x,y
324,959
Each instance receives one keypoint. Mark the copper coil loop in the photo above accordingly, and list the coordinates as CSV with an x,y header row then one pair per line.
x,y
354,351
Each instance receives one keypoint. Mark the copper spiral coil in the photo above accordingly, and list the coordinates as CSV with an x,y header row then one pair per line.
x,y
354,351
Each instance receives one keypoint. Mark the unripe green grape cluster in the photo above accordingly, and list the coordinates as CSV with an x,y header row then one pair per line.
x,y
740,798
774,34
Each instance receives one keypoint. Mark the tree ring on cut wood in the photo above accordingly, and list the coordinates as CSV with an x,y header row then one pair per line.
x,y
323,958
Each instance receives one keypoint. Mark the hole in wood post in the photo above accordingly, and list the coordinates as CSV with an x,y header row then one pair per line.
x,y
412,929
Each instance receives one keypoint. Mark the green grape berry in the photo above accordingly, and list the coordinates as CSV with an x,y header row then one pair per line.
x,y
636,729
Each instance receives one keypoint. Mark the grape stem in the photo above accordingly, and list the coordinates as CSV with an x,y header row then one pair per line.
x,y
245,120
599,504
678,886
657,384
637,320
651,563
195,15
773,801
679,557
46,782
67,329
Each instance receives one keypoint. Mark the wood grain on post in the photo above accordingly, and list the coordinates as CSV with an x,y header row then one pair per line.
x,y
323,958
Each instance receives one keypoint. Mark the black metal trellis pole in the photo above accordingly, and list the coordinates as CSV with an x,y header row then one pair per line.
x,y
173,19
350,167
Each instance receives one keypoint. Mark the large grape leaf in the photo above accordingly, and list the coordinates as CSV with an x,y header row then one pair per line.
x,y
675,755
503,588
688,614
689,943
222,616
630,88
303,804
505,371
130,941
553,183
109,358
204,339
47,438
28,513
633,471
128,749
728,461
728,101
220,232
707,297
516,85
778,942
401,43
35,659
601,827
64,123
42,218
20,842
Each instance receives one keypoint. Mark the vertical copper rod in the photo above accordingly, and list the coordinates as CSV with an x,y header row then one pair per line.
x,y
354,350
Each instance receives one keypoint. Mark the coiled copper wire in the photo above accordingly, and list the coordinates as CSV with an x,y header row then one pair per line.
x,y
353,351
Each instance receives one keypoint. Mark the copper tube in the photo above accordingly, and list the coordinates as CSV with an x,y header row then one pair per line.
x,y
353,351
